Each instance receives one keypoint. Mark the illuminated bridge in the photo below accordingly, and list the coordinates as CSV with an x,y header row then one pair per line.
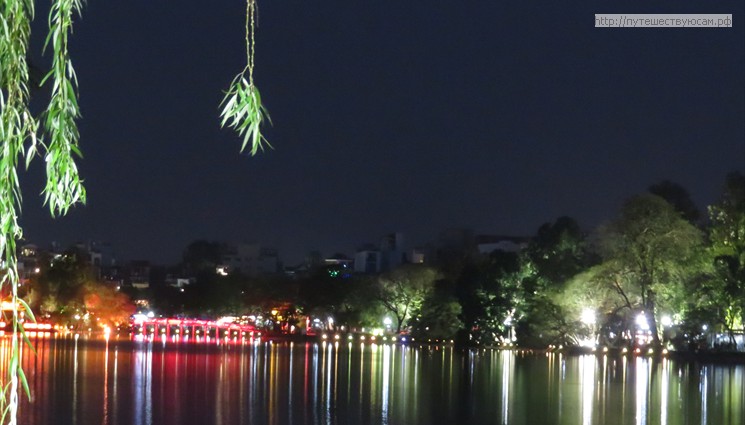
x,y
194,329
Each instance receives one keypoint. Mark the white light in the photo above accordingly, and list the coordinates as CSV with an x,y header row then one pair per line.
x,y
588,316
641,321
150,314
705,327
387,321
666,320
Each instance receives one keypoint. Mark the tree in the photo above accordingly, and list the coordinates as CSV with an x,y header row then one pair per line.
x,y
403,290
58,286
677,196
647,255
107,305
439,316
727,254
67,288
558,252
486,291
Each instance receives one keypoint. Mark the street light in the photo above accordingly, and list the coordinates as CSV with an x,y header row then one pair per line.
x,y
588,316
641,321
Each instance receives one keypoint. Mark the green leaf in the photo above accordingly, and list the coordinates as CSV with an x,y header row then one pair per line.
x,y
24,382
26,307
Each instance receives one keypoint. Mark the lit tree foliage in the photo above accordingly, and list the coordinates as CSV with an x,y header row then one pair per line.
x,y
106,304
543,312
403,290
66,287
486,292
722,297
648,252
439,316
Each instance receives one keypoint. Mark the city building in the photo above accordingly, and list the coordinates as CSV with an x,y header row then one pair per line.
x,y
250,260
487,244
387,255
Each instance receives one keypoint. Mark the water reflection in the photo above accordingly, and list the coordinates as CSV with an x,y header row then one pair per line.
x,y
249,382
142,383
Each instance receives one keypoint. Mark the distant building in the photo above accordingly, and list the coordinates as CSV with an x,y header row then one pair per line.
x,y
98,254
139,274
451,247
416,256
367,261
339,260
392,251
28,262
114,274
487,244
251,260
389,254
178,282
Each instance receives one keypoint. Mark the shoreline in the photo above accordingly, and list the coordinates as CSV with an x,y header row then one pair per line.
x,y
708,357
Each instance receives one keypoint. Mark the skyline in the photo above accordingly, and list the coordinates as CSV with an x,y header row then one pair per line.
x,y
395,118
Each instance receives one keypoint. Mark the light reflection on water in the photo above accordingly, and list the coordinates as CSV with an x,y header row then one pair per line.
x,y
157,382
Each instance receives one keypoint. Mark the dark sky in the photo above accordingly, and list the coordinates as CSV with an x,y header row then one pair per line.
x,y
410,116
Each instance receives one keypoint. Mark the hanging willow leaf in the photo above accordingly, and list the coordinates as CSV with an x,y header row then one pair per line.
x,y
242,110
64,187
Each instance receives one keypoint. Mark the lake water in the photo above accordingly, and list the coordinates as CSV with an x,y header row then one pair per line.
x,y
79,381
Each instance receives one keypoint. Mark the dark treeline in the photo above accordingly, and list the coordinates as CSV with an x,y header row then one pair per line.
x,y
660,267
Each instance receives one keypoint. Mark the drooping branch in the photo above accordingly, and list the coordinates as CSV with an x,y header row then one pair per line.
x,y
64,187
242,108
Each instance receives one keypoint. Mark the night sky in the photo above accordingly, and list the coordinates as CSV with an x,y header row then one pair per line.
x,y
411,116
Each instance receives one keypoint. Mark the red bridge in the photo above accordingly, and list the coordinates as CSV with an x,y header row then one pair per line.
x,y
175,327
